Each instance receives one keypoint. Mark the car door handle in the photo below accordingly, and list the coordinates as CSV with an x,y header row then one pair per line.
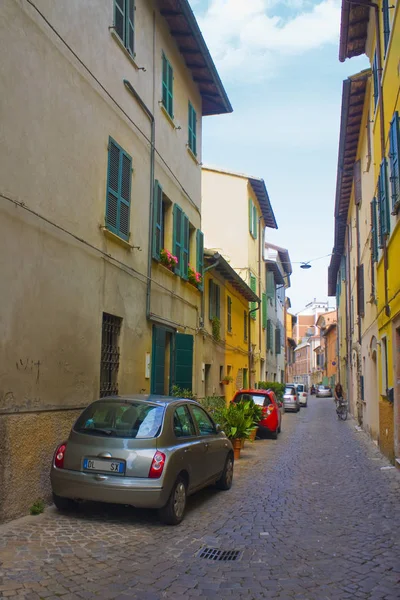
x,y
206,445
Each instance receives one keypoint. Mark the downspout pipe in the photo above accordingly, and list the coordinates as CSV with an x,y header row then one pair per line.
x,y
382,124
150,116
253,310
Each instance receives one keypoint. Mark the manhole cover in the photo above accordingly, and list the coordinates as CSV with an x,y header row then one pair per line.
x,y
215,554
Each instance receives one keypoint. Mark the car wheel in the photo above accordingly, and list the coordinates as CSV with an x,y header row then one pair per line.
x,y
274,434
280,428
63,503
225,481
172,513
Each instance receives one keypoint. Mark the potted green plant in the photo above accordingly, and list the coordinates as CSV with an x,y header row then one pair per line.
x,y
237,424
226,380
168,259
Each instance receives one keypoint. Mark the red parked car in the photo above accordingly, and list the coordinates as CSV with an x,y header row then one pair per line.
x,y
272,416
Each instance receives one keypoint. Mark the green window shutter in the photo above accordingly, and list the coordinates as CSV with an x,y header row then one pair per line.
x,y
383,202
192,141
167,86
211,298
158,360
343,268
157,220
255,222
217,291
185,246
270,284
277,340
253,286
183,359
229,312
394,138
375,77
200,255
264,310
386,24
374,231
177,237
130,28
119,18
245,326
251,216
118,190
269,334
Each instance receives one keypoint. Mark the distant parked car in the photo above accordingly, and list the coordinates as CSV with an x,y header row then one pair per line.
x,y
146,451
323,391
290,400
302,393
272,416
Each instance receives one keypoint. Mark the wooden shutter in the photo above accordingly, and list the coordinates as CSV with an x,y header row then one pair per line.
x,y
277,340
264,310
251,216
245,325
375,76
360,291
386,24
130,20
270,284
185,246
119,18
157,220
229,312
217,292
183,359
374,231
192,129
118,190
177,237
384,215
211,302
200,256
167,86
394,138
357,182
158,360
255,222
170,107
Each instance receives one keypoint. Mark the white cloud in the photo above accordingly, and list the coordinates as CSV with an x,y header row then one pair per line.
x,y
250,37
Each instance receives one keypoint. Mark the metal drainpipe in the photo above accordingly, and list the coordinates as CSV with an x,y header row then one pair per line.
x,y
259,280
150,116
249,327
382,127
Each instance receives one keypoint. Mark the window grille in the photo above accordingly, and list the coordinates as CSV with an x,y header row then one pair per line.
x,y
110,355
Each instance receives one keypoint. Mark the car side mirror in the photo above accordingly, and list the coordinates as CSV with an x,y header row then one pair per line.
x,y
218,428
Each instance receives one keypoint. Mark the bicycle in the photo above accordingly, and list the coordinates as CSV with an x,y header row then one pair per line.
x,y
341,410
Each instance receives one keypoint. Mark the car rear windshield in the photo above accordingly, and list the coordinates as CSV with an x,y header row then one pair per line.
x,y
259,399
134,420
289,391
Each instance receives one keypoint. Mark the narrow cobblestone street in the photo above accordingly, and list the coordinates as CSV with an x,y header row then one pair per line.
x,y
315,515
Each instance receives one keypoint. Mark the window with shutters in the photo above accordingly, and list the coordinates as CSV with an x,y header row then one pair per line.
x,y
253,219
374,231
383,203
124,23
394,150
278,340
264,310
386,24
200,256
229,313
161,221
270,341
118,199
214,300
110,355
375,78
360,291
369,145
192,129
253,305
167,86
270,285
181,241
357,182
245,326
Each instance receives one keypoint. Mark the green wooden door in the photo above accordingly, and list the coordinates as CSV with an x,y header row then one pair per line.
x,y
183,361
158,360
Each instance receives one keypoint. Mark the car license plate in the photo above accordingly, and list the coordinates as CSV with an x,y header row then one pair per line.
x,y
109,466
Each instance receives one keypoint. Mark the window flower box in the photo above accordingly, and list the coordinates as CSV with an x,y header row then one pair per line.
x,y
194,277
168,259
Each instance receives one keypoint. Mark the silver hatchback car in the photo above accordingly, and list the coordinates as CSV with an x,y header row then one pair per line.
x,y
144,451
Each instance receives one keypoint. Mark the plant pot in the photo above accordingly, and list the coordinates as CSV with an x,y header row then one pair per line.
x,y
253,434
237,446
242,443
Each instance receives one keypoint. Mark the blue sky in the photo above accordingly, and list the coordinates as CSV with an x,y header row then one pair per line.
x,y
279,64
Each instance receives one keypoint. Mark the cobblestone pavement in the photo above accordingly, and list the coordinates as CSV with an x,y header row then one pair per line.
x,y
313,514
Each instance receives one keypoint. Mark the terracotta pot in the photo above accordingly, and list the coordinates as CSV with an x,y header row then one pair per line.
x,y
237,446
242,441
252,435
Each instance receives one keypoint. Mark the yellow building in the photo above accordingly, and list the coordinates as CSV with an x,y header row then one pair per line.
x,y
101,174
236,211
226,341
373,367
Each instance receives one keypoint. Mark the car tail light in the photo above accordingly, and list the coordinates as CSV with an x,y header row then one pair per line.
x,y
59,456
270,409
157,465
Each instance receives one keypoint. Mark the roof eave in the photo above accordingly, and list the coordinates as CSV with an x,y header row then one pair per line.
x,y
230,275
260,190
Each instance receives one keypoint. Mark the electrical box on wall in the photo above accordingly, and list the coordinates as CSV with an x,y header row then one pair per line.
x,y
147,367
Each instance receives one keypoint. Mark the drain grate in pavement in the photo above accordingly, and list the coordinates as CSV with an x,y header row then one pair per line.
x,y
215,554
